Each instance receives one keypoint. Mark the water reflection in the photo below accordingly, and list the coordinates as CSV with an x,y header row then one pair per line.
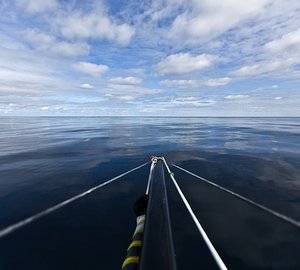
x,y
45,160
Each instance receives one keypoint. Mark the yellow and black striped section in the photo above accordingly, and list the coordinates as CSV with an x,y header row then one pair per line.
x,y
136,243
134,250
130,260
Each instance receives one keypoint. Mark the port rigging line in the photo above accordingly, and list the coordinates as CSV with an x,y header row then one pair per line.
x,y
12,228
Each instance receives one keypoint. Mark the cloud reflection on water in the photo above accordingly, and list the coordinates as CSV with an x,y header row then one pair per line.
x,y
44,160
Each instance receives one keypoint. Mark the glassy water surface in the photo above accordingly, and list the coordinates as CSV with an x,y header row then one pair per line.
x,y
45,160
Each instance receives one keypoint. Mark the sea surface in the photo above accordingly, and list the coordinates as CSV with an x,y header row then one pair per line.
x,y
45,160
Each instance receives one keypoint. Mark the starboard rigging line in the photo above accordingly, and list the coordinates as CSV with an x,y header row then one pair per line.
x,y
152,208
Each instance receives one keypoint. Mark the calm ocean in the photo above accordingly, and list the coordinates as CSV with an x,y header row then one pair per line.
x,y
44,160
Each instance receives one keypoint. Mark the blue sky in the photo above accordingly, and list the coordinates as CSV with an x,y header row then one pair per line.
x,y
144,58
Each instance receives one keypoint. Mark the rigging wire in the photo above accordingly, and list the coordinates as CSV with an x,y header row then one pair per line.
x,y
10,229
153,163
264,208
210,246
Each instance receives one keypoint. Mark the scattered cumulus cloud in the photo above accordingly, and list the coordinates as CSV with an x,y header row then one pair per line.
x,y
86,86
133,90
126,98
48,43
36,6
191,101
264,67
128,93
180,83
49,48
90,68
78,25
152,110
288,44
280,55
207,19
236,97
217,82
182,63
123,98
22,75
125,80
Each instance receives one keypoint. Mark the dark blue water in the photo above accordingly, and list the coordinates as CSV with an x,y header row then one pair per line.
x,y
46,160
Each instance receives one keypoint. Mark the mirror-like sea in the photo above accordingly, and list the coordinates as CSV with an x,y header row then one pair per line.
x,y
44,160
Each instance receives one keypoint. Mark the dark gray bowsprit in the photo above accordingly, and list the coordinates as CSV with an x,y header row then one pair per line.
x,y
158,250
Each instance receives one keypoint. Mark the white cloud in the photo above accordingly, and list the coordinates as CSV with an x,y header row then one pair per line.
x,y
70,49
125,98
288,44
45,108
95,25
47,43
265,67
35,6
125,81
184,63
24,76
86,86
128,93
152,110
191,101
236,97
27,74
132,90
279,56
180,83
209,18
254,41
196,83
218,82
90,68
36,37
